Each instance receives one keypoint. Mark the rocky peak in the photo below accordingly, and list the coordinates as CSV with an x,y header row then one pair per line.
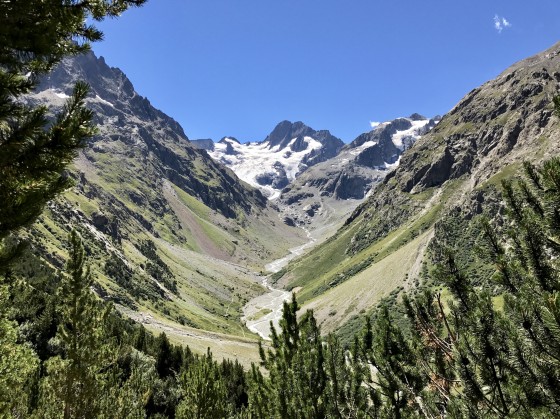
x,y
382,146
285,132
203,143
289,150
131,130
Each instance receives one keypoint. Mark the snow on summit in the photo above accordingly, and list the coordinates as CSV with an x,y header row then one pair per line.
x,y
414,132
269,169
291,148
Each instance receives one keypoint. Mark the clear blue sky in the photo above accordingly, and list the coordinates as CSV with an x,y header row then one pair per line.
x,y
238,67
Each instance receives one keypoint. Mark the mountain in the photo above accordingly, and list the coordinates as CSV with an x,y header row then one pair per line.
x,y
326,193
172,234
439,189
270,165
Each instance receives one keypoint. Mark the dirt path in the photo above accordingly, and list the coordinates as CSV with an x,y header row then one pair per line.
x,y
221,345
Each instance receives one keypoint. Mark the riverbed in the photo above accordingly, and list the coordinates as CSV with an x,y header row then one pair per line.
x,y
266,308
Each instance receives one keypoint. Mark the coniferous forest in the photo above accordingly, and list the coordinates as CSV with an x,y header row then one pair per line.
x,y
461,345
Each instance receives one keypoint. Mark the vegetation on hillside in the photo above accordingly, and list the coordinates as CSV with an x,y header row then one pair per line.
x,y
489,347
471,345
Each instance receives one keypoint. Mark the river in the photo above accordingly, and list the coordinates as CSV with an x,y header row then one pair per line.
x,y
266,308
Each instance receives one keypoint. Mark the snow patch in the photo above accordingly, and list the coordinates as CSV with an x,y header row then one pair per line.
x,y
252,159
106,102
399,136
59,94
358,150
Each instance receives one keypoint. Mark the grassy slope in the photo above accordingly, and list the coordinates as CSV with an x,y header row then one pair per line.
x,y
202,248
373,254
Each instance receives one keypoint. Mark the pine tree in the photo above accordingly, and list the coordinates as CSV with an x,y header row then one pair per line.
x,y
528,270
204,392
346,391
482,359
18,364
396,382
297,382
76,380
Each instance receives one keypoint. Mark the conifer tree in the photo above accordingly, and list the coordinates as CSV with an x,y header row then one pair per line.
x,y
297,382
396,382
484,360
76,380
204,392
18,364
346,392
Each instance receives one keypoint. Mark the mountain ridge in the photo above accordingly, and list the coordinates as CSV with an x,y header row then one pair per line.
x,y
445,176
166,226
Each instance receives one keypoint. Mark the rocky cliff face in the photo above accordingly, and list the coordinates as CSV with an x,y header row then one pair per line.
x,y
129,124
351,174
491,130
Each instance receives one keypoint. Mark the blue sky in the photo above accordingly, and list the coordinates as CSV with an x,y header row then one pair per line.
x,y
238,67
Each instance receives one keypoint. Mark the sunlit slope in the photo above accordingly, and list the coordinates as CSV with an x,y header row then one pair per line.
x,y
169,232
445,175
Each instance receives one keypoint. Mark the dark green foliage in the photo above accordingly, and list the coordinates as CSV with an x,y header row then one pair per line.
x,y
118,270
169,358
235,382
204,391
74,380
346,393
297,379
397,381
307,377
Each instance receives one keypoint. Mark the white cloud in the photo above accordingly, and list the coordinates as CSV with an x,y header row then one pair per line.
x,y
373,124
500,23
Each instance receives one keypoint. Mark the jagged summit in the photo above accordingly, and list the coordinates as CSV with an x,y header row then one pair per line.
x,y
329,189
229,139
283,134
270,165
382,146
130,127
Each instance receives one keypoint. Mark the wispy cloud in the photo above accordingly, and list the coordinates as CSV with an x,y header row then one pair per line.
x,y
500,23
373,124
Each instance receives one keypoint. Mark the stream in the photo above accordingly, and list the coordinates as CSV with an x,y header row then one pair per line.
x,y
266,308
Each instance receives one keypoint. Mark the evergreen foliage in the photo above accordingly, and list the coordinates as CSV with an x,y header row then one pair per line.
x,y
467,355
204,392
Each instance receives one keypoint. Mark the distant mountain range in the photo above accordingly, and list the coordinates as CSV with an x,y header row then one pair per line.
x,y
270,165
305,170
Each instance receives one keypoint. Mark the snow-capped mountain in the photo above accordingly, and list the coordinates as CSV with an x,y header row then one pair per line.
x,y
272,164
381,147
335,187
